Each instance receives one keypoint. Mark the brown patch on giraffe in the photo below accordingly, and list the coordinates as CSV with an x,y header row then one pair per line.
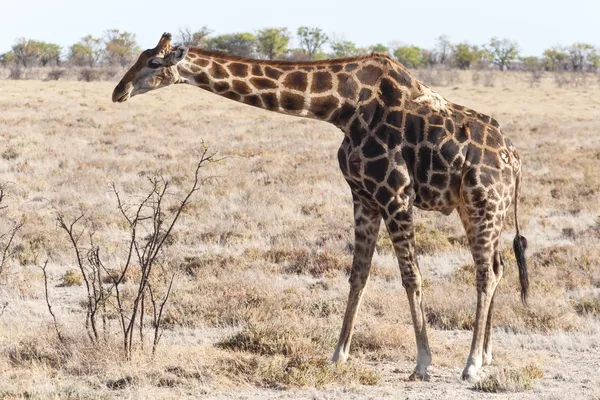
x,y
347,111
414,128
232,95
307,68
383,196
270,101
435,134
389,93
449,126
322,107
336,68
365,94
272,72
351,67
372,148
253,100
435,119
217,71
257,70
321,82
346,86
291,101
203,62
238,69
439,180
395,180
221,86
287,67
241,87
395,118
449,150
423,111
402,77
296,80
369,75
423,163
263,83
477,131
202,78
491,159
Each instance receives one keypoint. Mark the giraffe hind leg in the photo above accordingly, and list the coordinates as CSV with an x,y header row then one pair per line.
x,y
483,225
367,220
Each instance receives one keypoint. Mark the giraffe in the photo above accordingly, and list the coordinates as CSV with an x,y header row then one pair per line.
x,y
404,146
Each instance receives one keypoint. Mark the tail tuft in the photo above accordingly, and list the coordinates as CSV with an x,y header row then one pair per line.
x,y
520,246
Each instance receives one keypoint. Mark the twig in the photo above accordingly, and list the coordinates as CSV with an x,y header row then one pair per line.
x,y
60,338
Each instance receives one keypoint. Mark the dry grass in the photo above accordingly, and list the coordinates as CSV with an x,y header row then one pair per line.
x,y
263,254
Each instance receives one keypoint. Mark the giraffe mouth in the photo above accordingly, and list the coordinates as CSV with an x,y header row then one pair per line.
x,y
122,93
122,98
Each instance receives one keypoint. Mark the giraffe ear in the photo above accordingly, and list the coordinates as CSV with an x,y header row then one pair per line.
x,y
176,55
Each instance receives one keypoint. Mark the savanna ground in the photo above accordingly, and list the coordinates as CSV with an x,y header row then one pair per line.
x,y
263,252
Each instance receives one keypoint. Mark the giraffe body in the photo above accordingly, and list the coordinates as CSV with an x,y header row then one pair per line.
x,y
404,145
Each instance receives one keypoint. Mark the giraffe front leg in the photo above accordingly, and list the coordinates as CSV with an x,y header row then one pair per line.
x,y
366,228
401,230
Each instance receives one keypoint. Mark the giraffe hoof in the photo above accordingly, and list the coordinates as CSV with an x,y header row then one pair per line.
x,y
419,377
471,375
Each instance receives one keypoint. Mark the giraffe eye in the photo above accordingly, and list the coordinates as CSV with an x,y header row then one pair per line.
x,y
154,64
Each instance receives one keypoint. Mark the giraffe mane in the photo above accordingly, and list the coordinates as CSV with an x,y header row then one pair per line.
x,y
329,61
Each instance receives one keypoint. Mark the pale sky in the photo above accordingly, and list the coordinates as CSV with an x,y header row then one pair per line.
x,y
535,25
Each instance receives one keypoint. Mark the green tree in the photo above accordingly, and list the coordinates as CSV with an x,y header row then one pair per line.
x,y
26,52
531,63
273,42
504,52
410,56
48,52
86,52
344,48
465,55
240,44
198,38
379,48
555,59
120,47
311,39
7,58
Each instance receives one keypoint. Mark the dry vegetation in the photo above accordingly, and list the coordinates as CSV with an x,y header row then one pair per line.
x,y
262,254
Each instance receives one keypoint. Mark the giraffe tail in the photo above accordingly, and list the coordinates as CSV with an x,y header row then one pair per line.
x,y
520,246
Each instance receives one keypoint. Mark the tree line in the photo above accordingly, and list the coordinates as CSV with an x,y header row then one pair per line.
x,y
117,47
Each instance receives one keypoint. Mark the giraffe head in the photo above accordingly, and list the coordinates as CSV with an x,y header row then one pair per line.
x,y
155,68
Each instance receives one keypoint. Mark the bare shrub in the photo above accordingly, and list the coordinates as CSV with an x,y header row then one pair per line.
x,y
489,78
148,291
55,74
476,78
89,74
16,73
7,236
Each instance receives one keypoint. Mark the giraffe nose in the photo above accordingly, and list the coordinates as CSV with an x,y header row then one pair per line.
x,y
120,93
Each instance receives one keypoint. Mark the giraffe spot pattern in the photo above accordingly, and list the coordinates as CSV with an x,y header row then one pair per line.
x,y
296,80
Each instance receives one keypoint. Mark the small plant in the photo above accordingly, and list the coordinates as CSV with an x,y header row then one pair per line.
x,y
513,380
588,306
71,278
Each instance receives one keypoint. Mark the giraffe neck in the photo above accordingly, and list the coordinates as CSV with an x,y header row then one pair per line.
x,y
326,90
